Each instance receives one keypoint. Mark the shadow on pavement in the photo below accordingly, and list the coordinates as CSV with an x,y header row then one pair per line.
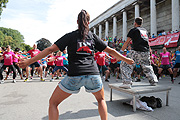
x,y
77,115
117,108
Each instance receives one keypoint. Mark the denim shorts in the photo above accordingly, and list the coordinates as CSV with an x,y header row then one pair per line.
x,y
36,64
92,83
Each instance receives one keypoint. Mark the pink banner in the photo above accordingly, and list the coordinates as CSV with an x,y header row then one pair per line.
x,y
157,41
168,40
171,40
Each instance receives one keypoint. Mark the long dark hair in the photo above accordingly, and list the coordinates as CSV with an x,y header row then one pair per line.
x,y
83,21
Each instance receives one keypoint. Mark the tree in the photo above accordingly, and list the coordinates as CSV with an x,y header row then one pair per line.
x,y
8,40
3,5
1,38
13,38
27,47
15,34
43,43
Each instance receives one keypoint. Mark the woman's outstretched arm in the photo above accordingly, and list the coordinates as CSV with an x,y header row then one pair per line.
x,y
41,55
118,56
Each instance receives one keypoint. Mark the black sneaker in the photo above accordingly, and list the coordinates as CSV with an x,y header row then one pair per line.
x,y
138,80
172,81
106,80
179,83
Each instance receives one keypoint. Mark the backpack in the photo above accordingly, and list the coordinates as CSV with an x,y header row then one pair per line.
x,y
159,102
152,101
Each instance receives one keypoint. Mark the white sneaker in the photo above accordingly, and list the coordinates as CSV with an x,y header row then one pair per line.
x,y
125,86
160,78
51,79
153,84
174,78
14,81
2,81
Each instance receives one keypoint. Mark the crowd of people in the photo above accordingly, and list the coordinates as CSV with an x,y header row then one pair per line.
x,y
163,33
51,64
165,63
56,64
88,60
114,42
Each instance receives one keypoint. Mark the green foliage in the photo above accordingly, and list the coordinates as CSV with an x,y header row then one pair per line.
x,y
25,47
13,38
3,5
43,43
1,38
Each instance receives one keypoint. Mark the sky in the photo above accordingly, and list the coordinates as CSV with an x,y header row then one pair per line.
x,y
50,19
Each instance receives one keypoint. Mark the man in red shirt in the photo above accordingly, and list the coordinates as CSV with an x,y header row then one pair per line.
x,y
50,63
33,53
100,59
113,65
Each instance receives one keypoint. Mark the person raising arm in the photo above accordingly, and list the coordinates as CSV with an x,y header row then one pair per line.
x,y
83,70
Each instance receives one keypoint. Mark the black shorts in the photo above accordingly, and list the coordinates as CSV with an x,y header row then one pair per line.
x,y
138,70
165,67
102,68
66,66
113,66
50,66
36,64
24,69
177,65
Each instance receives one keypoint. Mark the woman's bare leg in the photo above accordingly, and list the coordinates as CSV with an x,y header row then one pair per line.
x,y
57,97
102,107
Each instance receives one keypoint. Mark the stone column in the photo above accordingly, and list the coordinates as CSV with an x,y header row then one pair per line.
x,y
114,26
153,17
175,15
94,30
100,31
106,28
137,13
124,25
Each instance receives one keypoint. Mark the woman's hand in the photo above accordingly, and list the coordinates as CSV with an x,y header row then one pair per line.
x,y
23,63
129,61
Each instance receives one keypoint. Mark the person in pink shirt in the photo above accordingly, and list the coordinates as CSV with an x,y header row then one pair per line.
x,y
15,61
165,59
8,62
59,64
50,63
153,59
33,53
100,59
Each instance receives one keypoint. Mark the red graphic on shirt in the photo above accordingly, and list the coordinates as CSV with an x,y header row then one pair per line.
x,y
84,49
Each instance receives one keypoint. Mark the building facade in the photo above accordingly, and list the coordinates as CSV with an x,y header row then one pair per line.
x,y
158,16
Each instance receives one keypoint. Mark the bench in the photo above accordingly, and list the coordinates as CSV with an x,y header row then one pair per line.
x,y
140,88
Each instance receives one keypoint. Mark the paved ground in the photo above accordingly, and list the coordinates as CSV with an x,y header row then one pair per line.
x,y
29,101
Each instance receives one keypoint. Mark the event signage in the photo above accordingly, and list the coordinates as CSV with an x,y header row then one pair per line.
x,y
168,40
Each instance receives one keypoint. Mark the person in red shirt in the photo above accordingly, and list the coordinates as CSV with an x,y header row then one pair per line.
x,y
50,63
100,59
33,53
113,65
8,62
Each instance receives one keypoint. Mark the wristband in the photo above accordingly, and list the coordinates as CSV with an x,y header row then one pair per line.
x,y
121,51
